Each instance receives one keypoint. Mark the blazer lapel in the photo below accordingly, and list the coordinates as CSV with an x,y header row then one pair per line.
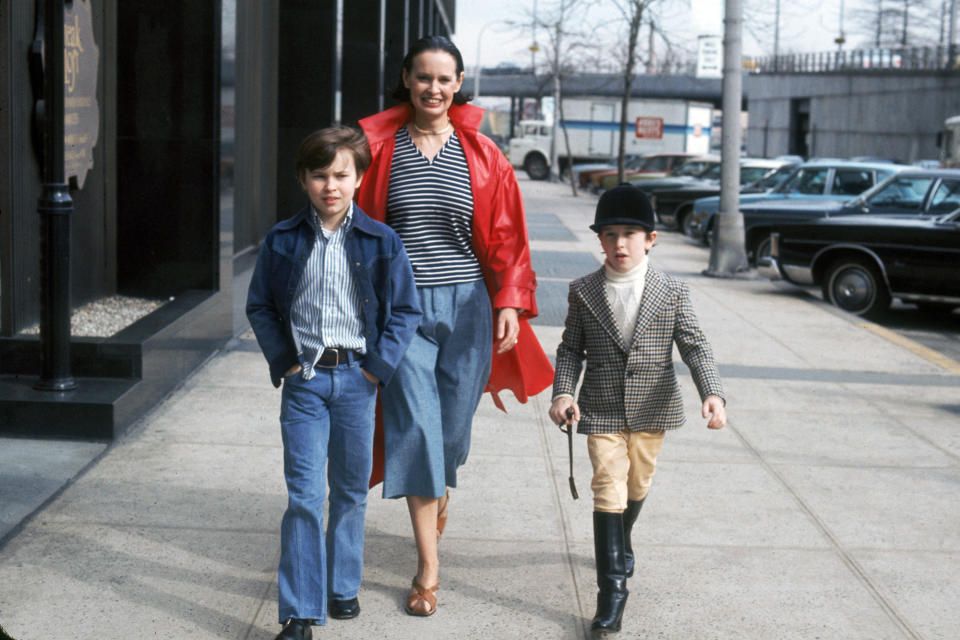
x,y
594,294
654,293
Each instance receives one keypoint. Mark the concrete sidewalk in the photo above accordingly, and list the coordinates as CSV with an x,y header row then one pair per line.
x,y
828,508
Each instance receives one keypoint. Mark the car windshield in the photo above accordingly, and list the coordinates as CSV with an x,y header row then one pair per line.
x,y
903,193
752,174
807,180
777,177
694,168
946,199
655,163
712,172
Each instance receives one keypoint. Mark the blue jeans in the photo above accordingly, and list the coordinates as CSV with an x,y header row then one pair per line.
x,y
325,420
429,403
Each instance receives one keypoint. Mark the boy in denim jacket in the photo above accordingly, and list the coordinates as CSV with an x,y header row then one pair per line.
x,y
334,306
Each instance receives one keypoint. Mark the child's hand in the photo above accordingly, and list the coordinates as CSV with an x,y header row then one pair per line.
x,y
558,411
714,405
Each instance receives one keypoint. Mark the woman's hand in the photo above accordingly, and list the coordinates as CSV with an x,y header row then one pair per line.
x,y
508,329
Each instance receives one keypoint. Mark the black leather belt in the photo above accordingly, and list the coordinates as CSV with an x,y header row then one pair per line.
x,y
331,358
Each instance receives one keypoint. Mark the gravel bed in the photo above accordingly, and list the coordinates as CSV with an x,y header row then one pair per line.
x,y
104,317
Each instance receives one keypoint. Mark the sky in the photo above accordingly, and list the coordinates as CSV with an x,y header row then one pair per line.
x,y
806,26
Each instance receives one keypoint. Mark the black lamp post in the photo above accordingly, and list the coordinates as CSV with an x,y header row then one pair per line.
x,y
55,207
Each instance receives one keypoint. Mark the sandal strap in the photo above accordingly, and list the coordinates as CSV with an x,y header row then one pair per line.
x,y
442,512
422,594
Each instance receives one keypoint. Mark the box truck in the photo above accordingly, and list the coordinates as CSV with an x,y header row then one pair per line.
x,y
593,125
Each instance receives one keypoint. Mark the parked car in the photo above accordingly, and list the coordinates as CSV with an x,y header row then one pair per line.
x,y
579,168
916,192
655,164
811,181
691,171
861,262
674,204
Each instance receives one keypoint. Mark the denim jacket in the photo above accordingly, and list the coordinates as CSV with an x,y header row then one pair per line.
x,y
381,269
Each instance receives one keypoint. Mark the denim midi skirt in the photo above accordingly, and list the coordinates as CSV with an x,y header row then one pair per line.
x,y
429,403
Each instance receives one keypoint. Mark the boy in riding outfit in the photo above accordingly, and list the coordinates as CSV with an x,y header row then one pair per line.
x,y
622,322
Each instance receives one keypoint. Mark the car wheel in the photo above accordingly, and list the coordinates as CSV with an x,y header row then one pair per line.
x,y
855,285
536,167
684,220
708,234
762,250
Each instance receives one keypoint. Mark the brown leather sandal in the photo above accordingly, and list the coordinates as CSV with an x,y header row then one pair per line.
x,y
442,513
421,601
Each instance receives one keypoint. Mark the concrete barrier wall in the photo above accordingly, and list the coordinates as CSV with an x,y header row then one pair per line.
x,y
886,114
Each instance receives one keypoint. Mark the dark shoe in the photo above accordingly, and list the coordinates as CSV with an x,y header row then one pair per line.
x,y
296,629
611,572
629,517
343,609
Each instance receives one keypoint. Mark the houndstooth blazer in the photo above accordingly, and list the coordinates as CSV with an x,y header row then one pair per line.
x,y
632,386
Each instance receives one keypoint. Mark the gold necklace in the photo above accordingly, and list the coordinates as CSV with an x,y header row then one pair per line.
x,y
433,132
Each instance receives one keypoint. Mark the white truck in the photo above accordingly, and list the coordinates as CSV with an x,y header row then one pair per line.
x,y
593,124
949,143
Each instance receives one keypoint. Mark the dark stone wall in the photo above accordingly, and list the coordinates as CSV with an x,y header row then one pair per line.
x,y
168,71
93,264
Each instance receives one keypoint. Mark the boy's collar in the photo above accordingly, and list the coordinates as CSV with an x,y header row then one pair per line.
x,y
317,223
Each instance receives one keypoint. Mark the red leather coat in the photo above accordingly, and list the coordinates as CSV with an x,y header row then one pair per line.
x,y
499,236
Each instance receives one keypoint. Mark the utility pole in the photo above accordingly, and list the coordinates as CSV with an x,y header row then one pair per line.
x,y
727,250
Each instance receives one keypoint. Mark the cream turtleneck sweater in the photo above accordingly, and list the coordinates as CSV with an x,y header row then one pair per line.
x,y
624,291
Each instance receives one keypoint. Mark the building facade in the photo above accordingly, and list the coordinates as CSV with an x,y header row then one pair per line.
x,y
199,110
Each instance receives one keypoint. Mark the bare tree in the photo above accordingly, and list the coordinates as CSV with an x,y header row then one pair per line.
x,y
892,23
632,12
565,44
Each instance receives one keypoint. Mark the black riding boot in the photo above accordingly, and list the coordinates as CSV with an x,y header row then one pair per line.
x,y
611,572
629,517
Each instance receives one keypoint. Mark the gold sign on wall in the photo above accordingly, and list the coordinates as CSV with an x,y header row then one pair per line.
x,y
81,111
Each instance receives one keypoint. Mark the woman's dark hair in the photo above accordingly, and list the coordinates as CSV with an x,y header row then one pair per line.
x,y
319,149
429,43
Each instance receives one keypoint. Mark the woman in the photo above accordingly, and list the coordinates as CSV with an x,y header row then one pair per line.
x,y
454,200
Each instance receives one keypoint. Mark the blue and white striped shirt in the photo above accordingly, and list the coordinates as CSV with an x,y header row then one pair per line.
x,y
326,311
430,206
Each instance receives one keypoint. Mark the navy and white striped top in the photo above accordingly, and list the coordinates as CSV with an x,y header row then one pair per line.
x,y
326,308
430,206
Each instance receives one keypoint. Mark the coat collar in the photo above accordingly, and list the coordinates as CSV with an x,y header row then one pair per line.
x,y
594,294
385,124
361,221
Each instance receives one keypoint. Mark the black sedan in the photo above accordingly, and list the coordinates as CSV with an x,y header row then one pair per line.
x,y
673,204
917,192
862,262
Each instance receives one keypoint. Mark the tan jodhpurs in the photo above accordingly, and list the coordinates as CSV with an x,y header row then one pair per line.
x,y
623,467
